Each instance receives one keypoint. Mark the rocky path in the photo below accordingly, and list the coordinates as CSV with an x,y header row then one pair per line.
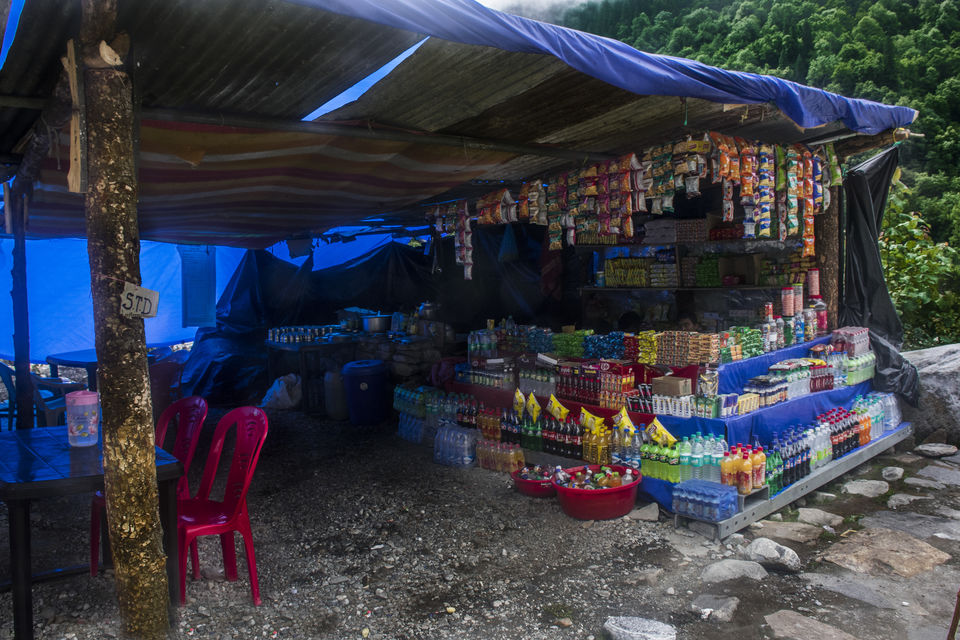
x,y
358,534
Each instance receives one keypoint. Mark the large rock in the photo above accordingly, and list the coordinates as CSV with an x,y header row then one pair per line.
x,y
792,531
868,488
629,628
819,518
649,513
939,370
935,450
920,525
713,607
733,570
943,474
772,555
898,500
884,551
920,483
892,474
873,591
790,624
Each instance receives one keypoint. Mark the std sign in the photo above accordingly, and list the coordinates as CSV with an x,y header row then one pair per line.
x,y
137,302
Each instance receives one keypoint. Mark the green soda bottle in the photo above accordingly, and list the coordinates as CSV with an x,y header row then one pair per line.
x,y
674,457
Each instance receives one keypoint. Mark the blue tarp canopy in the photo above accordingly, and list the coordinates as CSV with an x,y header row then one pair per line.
x,y
226,159
618,64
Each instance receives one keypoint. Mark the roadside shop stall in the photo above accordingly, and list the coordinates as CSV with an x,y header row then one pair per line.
x,y
770,399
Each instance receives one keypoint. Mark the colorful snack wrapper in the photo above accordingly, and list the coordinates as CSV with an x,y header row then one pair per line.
x,y
661,436
519,402
590,421
622,420
556,409
533,407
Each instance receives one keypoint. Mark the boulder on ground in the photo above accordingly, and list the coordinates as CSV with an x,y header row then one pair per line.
x,y
939,371
772,555
733,570
630,628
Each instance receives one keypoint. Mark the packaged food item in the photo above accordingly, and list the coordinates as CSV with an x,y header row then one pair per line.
x,y
519,403
557,410
533,407
657,433
622,420
590,421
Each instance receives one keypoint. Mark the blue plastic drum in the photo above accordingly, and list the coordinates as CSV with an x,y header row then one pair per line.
x,y
365,383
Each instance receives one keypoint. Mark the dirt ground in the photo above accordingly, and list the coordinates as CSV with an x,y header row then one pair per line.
x,y
357,531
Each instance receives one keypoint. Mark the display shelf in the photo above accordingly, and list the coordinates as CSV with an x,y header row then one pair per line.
x,y
738,245
754,511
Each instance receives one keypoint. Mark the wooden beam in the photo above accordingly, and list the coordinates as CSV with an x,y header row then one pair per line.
x,y
373,133
858,144
77,175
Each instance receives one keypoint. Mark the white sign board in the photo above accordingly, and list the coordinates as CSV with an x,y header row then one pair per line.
x,y
137,302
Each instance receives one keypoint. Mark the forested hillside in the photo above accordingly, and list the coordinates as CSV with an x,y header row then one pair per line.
x,y
894,51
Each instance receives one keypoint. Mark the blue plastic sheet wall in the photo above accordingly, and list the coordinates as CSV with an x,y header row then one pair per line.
x,y
59,302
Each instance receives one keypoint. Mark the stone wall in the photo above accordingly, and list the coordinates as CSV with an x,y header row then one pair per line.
x,y
938,416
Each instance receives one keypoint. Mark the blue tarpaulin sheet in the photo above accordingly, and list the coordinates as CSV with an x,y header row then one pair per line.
x,y
762,425
618,64
59,302
734,375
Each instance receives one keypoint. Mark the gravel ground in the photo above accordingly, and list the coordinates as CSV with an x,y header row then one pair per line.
x,y
358,534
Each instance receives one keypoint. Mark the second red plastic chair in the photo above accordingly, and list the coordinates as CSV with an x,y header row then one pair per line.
x,y
190,413
201,516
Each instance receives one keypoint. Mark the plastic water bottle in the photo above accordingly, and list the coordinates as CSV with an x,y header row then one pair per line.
x,y
696,459
686,471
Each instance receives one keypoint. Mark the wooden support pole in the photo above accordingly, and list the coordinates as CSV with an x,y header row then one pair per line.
x,y
113,244
827,230
21,318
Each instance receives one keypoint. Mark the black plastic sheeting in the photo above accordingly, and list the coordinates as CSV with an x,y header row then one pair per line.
x,y
228,364
866,301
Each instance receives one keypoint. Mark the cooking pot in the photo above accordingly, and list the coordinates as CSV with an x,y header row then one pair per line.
x,y
376,324
428,311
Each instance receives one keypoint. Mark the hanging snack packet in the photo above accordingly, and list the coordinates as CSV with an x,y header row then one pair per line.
x,y
836,174
808,226
533,407
808,247
656,432
557,410
781,159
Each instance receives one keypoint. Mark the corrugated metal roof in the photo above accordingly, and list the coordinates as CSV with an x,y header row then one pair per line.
x,y
280,59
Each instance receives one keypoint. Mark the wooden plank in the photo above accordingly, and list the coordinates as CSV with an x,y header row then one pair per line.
x,y
77,175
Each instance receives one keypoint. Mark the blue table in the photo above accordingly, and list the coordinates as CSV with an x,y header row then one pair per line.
x,y
40,463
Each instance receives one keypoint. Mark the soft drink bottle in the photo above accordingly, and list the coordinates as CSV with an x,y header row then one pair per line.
x,y
674,458
745,475
686,472
759,468
725,469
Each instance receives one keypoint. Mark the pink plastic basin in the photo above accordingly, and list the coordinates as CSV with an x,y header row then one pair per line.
x,y
598,504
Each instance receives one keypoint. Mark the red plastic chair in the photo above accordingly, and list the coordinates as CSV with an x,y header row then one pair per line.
x,y
190,413
201,516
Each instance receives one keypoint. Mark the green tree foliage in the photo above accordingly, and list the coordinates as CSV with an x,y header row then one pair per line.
x,y
923,276
904,52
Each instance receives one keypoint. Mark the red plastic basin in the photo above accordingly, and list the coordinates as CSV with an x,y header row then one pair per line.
x,y
598,504
534,488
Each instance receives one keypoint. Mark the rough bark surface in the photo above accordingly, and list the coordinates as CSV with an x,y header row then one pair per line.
x,y
114,249
827,229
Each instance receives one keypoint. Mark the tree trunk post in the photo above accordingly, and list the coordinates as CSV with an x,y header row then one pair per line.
x,y
827,229
114,248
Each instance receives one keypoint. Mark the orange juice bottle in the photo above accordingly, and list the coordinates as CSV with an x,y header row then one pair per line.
x,y
745,475
725,468
759,460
